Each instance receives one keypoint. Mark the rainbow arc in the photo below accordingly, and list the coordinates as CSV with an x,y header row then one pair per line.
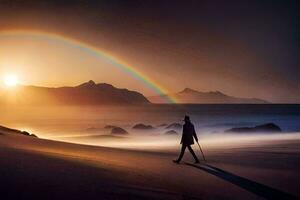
x,y
97,52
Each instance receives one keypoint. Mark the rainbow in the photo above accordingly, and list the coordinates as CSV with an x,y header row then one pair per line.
x,y
85,47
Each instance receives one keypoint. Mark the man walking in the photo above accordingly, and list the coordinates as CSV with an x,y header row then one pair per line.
x,y
187,139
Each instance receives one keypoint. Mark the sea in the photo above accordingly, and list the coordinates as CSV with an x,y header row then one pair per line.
x,y
86,124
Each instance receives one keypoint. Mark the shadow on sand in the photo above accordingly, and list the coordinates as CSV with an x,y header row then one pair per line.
x,y
251,186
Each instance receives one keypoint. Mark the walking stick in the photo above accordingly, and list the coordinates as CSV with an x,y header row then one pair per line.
x,y
201,151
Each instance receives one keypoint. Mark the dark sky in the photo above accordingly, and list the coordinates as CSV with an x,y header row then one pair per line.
x,y
242,48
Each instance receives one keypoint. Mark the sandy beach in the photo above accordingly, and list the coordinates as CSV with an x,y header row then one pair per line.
x,y
33,168
149,100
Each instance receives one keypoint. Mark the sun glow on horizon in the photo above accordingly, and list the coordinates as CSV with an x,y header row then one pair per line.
x,y
61,50
11,80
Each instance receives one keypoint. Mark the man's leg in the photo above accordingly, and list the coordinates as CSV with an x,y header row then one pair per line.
x,y
183,147
193,153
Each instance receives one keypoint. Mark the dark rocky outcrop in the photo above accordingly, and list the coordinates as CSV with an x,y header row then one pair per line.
x,y
118,131
109,126
176,126
162,125
264,128
25,133
15,131
171,132
143,126
33,135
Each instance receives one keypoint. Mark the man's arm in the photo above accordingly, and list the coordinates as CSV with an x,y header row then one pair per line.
x,y
182,135
194,134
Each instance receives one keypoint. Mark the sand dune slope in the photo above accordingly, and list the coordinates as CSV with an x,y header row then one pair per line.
x,y
33,168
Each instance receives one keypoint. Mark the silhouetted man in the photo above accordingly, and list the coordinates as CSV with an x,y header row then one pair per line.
x,y
187,139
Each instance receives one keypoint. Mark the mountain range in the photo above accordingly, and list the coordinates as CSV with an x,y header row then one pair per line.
x,y
190,96
90,93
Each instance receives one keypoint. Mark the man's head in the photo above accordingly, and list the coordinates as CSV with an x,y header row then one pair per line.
x,y
187,119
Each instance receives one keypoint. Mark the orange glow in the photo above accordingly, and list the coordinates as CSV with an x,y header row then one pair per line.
x,y
10,80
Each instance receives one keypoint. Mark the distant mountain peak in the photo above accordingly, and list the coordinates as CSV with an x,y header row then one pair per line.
x,y
192,91
192,96
188,90
90,83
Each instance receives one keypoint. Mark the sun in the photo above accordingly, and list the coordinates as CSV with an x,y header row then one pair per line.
x,y
10,80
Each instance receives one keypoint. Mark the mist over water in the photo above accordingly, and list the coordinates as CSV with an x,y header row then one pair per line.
x,y
85,125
